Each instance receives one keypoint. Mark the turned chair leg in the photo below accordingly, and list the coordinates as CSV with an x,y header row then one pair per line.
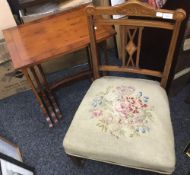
x,y
77,161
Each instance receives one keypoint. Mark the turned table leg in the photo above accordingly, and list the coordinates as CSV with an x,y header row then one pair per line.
x,y
105,55
44,96
51,96
39,99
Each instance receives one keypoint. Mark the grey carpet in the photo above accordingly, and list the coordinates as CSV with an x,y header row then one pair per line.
x,y
22,122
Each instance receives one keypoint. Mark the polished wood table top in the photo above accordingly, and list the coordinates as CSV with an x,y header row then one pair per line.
x,y
38,41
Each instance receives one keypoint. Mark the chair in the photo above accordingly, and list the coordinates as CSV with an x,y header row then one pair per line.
x,y
126,121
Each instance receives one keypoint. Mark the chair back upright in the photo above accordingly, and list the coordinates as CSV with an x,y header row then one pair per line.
x,y
131,18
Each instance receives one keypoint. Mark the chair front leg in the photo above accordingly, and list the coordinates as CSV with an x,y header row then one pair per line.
x,y
77,161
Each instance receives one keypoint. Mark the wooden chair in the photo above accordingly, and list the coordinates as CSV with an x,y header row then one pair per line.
x,y
126,121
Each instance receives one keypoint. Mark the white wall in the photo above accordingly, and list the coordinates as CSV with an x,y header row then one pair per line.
x,y
6,17
116,2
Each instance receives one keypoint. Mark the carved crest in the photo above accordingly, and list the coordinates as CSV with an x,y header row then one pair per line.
x,y
134,11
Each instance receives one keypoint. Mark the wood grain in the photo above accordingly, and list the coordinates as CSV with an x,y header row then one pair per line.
x,y
137,15
42,40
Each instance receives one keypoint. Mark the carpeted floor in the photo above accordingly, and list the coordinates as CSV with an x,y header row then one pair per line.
x,y
22,122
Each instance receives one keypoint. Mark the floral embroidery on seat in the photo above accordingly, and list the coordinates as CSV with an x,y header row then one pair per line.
x,y
122,110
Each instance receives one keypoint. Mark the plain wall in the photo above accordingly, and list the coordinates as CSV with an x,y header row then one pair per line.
x,y
6,17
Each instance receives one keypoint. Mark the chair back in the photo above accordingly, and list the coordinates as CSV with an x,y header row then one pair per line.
x,y
134,16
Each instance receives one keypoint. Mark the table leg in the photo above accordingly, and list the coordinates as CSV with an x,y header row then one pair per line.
x,y
105,52
45,98
51,96
105,46
103,60
89,56
42,106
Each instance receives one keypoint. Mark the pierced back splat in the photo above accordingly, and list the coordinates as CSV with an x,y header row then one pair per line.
x,y
130,45
138,15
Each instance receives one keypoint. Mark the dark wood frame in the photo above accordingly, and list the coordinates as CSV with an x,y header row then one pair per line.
x,y
16,162
12,144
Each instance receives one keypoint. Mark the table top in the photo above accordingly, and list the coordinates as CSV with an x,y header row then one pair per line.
x,y
45,39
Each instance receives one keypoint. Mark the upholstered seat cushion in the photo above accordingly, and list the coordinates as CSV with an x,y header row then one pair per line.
x,y
124,121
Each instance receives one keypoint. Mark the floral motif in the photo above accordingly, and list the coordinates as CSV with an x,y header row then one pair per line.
x,y
122,111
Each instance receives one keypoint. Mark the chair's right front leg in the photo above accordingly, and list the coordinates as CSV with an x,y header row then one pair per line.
x,y
77,161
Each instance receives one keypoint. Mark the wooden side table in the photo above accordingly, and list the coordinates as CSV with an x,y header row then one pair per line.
x,y
39,41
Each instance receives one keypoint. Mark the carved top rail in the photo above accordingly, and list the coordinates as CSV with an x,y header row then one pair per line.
x,y
136,8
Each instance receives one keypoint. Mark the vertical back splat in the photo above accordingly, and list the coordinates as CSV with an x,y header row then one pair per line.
x,y
130,45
